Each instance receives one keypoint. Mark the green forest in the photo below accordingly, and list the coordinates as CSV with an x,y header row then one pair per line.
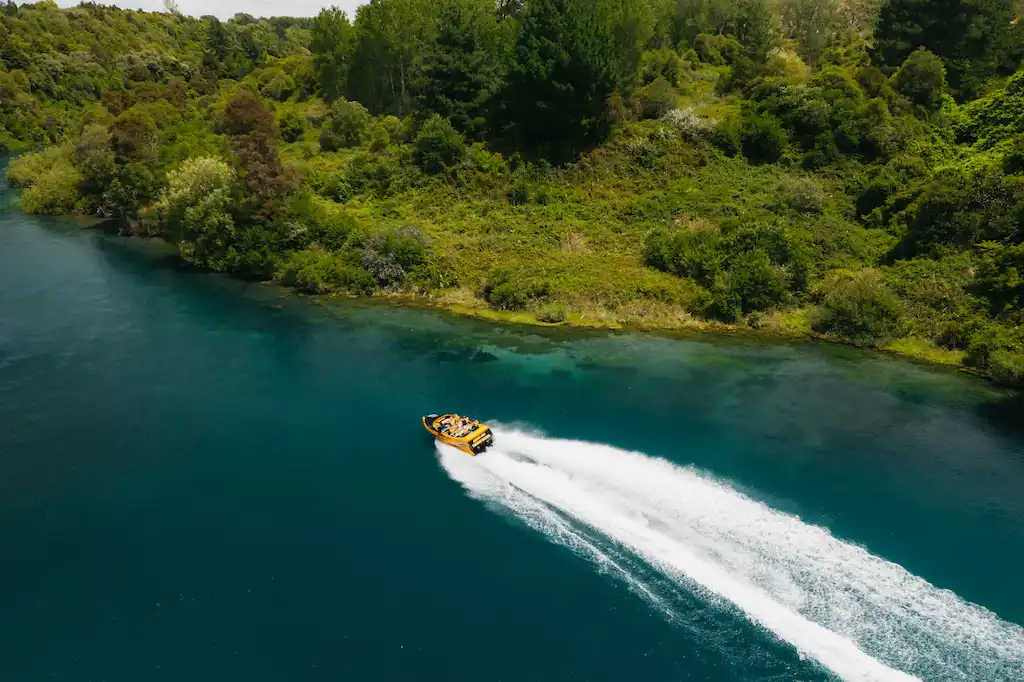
x,y
852,169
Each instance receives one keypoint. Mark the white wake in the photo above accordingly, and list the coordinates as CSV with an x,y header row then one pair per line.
x,y
858,615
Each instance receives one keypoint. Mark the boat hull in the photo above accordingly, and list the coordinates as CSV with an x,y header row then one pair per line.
x,y
473,443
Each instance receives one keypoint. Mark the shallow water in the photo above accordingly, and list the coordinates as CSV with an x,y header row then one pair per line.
x,y
202,480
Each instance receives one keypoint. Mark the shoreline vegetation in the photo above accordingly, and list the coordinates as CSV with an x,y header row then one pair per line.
x,y
820,170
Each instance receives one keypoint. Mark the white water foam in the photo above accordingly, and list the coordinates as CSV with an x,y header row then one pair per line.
x,y
858,615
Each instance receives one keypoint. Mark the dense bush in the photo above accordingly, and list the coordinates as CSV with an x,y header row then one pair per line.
x,y
860,309
552,314
961,208
505,290
292,125
54,191
347,126
762,138
392,255
655,100
1000,278
663,63
438,145
690,126
196,210
998,349
746,268
318,271
921,78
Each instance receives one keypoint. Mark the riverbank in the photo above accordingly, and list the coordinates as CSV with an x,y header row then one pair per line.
x,y
781,327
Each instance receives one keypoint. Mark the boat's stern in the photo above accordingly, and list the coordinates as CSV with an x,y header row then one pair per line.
x,y
481,441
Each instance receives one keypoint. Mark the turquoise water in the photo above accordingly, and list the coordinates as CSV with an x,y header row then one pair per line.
x,y
200,479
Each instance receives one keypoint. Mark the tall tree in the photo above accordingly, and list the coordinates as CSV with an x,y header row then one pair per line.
x,y
462,69
249,123
331,44
975,39
384,73
563,68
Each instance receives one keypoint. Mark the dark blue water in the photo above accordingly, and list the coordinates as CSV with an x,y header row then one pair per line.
x,y
202,479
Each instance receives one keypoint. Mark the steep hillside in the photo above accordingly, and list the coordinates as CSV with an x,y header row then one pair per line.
x,y
813,169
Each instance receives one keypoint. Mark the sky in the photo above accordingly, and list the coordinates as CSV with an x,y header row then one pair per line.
x,y
225,9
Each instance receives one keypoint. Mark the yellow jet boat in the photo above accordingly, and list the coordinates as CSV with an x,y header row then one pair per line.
x,y
463,433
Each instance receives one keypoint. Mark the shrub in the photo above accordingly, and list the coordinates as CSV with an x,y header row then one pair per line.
x,y
717,50
876,192
921,78
292,125
438,145
279,87
756,282
505,290
1001,277
690,126
133,137
93,156
391,255
1013,162
727,137
197,209
54,192
396,128
347,126
861,310
762,138
318,271
1007,367
664,64
800,195
519,191
958,208
379,138
696,254
26,169
552,314
655,100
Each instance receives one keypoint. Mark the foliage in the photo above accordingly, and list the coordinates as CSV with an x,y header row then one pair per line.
x,y
347,126
385,68
54,191
332,41
438,145
392,255
746,268
562,70
975,39
552,314
197,213
462,69
253,134
960,208
133,137
655,99
921,78
505,290
762,138
692,127
629,161
860,309
292,126
318,271
94,158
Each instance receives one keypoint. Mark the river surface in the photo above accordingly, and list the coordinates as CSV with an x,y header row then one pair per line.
x,y
202,479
